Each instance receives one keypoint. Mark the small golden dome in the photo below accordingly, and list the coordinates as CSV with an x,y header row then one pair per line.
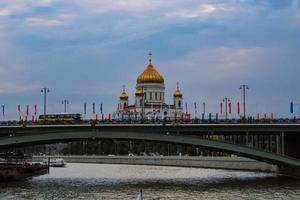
x,y
139,92
177,93
123,95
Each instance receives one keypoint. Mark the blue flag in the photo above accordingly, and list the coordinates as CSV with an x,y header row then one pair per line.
x,y
101,108
84,108
93,108
3,111
292,108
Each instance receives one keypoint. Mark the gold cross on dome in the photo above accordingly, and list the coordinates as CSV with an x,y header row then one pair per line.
x,y
123,87
177,85
150,57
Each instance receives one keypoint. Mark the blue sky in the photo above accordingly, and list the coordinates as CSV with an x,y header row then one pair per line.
x,y
84,51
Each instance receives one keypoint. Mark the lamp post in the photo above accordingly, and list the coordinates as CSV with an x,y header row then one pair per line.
x,y
45,91
226,100
65,102
143,101
244,88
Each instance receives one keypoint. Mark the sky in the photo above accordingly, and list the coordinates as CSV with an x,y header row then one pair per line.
x,y
84,51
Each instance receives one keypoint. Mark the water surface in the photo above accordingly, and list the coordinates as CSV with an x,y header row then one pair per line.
x,y
102,181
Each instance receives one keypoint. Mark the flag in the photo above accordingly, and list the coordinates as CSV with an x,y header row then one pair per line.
x,y
229,107
19,109
101,108
27,110
238,108
292,108
221,108
3,111
93,108
84,108
272,116
35,109
140,195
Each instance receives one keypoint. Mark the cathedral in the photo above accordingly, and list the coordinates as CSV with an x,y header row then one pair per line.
x,y
150,98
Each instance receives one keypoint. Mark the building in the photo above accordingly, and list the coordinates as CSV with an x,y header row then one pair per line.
x,y
150,98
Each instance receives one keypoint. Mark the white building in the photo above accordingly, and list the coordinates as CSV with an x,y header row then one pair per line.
x,y
150,98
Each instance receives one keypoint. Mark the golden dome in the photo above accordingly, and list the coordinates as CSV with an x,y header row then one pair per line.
x,y
150,75
123,95
139,92
177,93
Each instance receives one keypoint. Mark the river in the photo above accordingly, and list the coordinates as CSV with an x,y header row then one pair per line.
x,y
103,181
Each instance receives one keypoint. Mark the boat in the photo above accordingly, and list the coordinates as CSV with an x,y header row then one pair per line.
x,y
17,166
55,162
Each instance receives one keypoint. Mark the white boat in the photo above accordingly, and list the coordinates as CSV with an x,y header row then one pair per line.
x,y
57,162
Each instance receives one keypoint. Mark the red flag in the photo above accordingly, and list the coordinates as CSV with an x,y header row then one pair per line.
x,y
221,107
229,107
19,110
272,115
238,108
175,116
189,116
108,116
182,116
32,118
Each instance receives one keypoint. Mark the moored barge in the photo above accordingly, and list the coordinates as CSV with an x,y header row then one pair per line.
x,y
16,167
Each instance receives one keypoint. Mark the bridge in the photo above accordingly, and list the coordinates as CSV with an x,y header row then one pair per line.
x,y
277,144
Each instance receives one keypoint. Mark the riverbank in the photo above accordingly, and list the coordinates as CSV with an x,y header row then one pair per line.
x,y
229,163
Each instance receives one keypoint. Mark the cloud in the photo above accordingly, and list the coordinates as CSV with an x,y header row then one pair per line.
x,y
105,6
14,87
223,64
55,21
5,12
35,21
20,6
203,10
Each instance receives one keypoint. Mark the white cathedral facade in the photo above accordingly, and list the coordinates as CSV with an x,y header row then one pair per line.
x,y
150,98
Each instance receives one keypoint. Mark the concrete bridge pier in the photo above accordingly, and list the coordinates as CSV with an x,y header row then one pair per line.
x,y
289,171
291,145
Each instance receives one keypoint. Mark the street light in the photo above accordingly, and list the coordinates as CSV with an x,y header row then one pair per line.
x,y
65,102
143,101
244,88
45,91
226,99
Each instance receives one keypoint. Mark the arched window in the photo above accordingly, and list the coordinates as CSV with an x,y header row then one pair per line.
x,y
179,104
155,95
150,95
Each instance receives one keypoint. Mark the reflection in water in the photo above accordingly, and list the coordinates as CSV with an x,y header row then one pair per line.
x,y
101,181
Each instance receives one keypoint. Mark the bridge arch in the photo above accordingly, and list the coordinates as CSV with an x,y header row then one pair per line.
x,y
47,138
